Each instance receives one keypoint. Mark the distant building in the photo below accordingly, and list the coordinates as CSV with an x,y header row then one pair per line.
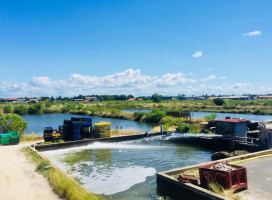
x,y
33,100
91,99
212,98
264,97
164,98
236,97
131,99
21,100
232,127
78,99
190,98
13,100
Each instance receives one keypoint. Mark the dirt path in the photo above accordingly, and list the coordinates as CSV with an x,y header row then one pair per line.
x,y
18,178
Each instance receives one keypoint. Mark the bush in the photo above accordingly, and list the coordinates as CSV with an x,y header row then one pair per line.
x,y
155,116
8,109
188,128
138,116
156,98
12,122
219,102
21,109
210,117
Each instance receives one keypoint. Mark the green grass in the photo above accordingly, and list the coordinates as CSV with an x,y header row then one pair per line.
x,y
62,184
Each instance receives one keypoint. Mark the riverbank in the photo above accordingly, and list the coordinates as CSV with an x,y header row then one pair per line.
x,y
19,179
113,108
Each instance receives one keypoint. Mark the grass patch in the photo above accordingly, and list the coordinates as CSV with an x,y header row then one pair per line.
x,y
31,137
218,189
123,132
62,184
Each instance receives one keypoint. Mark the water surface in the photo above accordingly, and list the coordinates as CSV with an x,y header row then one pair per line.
x,y
36,123
126,170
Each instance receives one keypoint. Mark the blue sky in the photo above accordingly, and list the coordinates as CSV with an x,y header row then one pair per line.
x,y
67,47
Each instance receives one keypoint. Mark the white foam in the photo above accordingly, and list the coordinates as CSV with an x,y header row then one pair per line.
x,y
100,145
115,181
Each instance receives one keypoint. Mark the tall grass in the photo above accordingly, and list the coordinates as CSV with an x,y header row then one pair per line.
x,y
31,137
62,184
218,189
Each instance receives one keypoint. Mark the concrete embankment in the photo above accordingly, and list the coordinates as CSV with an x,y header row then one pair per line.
x,y
258,172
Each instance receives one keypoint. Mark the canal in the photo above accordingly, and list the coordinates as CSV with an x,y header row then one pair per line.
x,y
126,170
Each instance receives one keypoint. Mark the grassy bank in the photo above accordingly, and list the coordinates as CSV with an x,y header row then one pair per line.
x,y
31,137
123,132
62,184
113,108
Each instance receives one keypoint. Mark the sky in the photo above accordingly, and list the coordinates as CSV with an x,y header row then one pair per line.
x,y
139,47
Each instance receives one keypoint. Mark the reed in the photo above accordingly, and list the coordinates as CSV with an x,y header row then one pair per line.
x,y
65,186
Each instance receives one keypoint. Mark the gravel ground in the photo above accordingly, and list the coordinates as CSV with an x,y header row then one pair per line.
x,y
18,178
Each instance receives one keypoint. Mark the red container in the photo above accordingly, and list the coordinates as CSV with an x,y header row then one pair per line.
x,y
234,179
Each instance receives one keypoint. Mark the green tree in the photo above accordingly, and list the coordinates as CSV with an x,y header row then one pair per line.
x,y
219,102
156,98
8,109
12,122
21,109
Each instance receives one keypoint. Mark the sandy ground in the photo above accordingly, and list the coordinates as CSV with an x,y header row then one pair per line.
x,y
18,178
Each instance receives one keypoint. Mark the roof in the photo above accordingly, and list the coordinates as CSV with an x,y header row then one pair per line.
x,y
265,96
12,99
232,120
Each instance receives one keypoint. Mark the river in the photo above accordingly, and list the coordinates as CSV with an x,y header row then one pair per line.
x,y
36,123
218,115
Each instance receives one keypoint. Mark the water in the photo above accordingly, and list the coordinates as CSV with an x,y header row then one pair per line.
x,y
233,115
137,110
36,123
127,170
219,115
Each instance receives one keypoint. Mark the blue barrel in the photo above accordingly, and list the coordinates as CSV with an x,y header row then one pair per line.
x,y
89,119
76,130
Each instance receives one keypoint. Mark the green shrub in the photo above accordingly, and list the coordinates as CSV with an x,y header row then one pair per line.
x,y
219,102
21,109
8,109
210,117
138,116
155,116
12,122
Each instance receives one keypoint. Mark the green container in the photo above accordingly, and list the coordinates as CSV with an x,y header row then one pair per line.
x,y
13,133
4,138
14,140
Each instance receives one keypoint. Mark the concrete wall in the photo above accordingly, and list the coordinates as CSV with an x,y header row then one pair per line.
x,y
227,128
240,130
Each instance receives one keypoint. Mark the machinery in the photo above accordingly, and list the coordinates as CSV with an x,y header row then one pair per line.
x,y
50,134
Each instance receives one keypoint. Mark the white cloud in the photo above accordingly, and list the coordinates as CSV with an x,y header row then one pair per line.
x,y
253,33
126,82
173,79
211,77
129,81
197,54
222,77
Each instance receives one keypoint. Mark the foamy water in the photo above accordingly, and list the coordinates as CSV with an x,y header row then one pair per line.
x,y
126,168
